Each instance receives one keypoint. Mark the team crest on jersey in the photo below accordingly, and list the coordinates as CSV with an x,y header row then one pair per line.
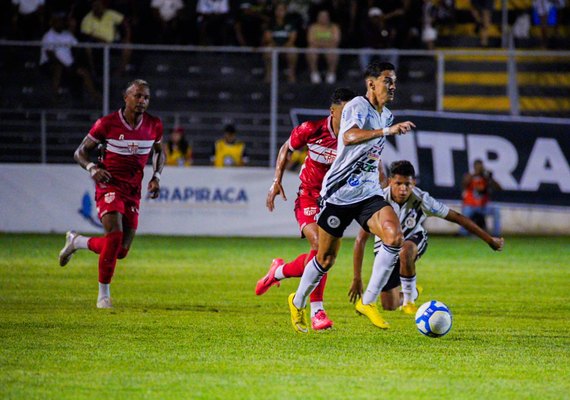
x,y
410,221
109,197
121,137
308,211
133,147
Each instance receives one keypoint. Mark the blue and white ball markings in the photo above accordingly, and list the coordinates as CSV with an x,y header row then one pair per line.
x,y
433,319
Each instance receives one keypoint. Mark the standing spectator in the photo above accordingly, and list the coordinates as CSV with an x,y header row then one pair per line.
x,y
376,35
545,15
228,151
28,19
250,21
281,32
57,57
177,149
323,34
213,20
477,189
103,25
167,17
482,11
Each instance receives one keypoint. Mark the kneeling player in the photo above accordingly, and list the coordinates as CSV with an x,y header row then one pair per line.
x,y
413,206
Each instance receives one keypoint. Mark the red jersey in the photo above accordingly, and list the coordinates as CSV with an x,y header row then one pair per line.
x,y
477,192
126,149
321,142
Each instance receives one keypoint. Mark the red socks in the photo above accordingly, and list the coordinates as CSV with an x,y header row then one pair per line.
x,y
112,243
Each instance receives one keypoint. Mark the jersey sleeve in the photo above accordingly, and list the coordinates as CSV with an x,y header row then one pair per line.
x,y
354,113
98,132
300,135
431,206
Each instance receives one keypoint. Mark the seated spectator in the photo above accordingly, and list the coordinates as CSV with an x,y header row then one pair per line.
x,y
178,151
281,32
28,19
482,11
213,22
249,23
167,18
477,189
323,34
429,31
103,25
57,58
228,151
377,35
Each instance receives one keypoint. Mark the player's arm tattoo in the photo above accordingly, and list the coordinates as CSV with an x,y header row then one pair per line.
x,y
158,160
83,152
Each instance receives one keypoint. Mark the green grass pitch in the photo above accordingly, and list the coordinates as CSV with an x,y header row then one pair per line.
x,y
186,324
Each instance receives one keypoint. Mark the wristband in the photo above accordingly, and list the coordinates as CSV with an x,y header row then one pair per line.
x,y
386,131
89,168
156,176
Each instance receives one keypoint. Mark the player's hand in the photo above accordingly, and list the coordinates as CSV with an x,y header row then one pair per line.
x,y
274,190
100,175
497,244
153,188
355,291
402,128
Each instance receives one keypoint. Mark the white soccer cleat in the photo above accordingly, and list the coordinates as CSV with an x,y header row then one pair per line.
x,y
104,302
68,249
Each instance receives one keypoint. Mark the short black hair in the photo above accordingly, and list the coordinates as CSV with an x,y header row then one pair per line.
x,y
137,82
340,95
375,69
402,167
230,128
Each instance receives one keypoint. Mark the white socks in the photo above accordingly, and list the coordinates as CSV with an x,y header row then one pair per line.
x,y
408,288
279,273
80,242
316,306
383,266
309,281
104,290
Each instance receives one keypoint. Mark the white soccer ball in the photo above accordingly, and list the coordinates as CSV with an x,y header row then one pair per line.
x,y
434,319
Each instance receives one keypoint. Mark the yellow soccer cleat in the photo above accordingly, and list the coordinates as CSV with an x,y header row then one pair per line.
x,y
409,308
298,317
371,311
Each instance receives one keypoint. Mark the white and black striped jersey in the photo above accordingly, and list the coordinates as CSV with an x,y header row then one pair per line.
x,y
353,176
414,212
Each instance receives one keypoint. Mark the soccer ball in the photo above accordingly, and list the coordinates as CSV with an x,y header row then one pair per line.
x,y
433,319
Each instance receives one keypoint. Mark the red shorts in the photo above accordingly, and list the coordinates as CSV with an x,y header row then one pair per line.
x,y
109,199
306,210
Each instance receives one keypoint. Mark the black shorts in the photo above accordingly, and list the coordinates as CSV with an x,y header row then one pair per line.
x,y
335,219
421,240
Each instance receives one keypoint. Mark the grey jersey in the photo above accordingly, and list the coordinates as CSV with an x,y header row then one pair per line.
x,y
414,212
353,176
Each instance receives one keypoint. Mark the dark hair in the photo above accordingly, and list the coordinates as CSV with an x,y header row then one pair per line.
x,y
229,128
341,95
136,82
182,145
375,69
402,167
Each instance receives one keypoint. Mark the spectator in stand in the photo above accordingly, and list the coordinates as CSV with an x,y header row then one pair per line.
x,y
213,22
58,60
545,15
323,34
103,25
177,149
482,11
28,19
250,21
167,16
228,151
281,32
376,36
477,189
429,32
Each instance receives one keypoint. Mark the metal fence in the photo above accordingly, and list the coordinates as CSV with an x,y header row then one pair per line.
x,y
203,88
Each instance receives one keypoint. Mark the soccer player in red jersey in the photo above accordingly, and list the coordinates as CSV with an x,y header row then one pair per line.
x,y
321,139
128,136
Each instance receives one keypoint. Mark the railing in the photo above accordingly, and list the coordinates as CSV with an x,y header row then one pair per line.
x,y
276,106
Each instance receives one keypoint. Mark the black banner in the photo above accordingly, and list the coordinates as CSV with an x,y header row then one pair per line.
x,y
527,156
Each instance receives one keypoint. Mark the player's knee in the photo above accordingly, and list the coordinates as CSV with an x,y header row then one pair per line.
x,y
114,241
389,304
393,236
327,261
408,251
123,253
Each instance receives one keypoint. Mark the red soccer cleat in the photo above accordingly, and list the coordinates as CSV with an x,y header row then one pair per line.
x,y
269,280
320,321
